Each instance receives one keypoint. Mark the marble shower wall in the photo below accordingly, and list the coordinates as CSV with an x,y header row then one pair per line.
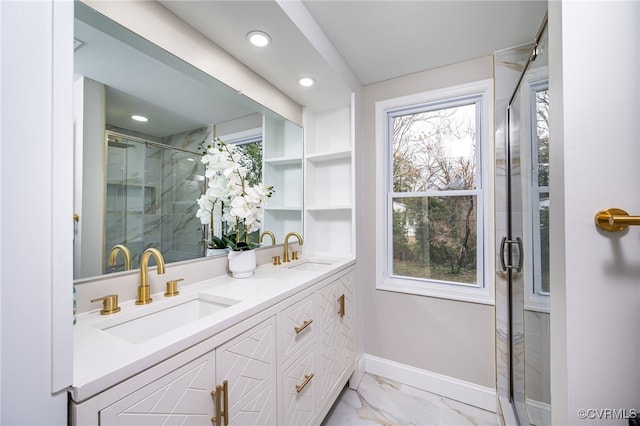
x,y
181,230
151,196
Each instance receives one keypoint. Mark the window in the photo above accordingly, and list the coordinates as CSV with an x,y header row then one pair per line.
x,y
432,197
537,282
540,188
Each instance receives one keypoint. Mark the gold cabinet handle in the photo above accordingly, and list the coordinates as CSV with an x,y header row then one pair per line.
x,y
109,304
615,220
304,325
222,410
307,379
341,309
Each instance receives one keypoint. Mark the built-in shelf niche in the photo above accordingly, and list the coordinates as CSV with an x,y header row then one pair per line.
x,y
329,181
330,231
283,169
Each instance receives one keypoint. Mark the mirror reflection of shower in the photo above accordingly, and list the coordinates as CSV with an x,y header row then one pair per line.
x,y
150,192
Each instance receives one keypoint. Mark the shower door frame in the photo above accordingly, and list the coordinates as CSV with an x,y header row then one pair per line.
x,y
513,248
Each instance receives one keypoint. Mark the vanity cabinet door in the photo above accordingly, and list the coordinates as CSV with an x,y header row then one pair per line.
x,y
248,364
329,338
337,330
347,319
180,397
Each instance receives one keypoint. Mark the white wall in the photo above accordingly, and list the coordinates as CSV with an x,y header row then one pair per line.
x,y
36,224
595,152
442,336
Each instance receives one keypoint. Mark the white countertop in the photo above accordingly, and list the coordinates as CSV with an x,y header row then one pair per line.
x,y
102,360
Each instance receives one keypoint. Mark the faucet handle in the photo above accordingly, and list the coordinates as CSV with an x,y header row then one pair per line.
x,y
294,255
276,260
172,288
109,304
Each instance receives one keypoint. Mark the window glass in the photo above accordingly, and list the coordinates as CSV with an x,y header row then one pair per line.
x,y
434,215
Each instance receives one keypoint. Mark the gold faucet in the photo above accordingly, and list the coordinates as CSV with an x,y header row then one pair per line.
x,y
269,233
126,254
285,258
144,291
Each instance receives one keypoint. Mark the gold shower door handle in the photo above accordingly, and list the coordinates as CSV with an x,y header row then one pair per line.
x,y
615,220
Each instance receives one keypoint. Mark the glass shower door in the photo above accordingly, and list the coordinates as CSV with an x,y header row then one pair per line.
x,y
525,248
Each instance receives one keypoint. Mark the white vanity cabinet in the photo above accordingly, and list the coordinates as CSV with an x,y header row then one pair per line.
x,y
317,361
284,365
186,395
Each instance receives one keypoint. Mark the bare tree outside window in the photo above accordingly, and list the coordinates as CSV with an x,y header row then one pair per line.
x,y
434,199
541,187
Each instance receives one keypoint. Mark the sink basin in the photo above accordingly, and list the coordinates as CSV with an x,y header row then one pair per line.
x,y
309,265
154,324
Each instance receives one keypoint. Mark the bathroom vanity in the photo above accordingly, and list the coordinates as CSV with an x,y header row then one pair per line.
x,y
276,348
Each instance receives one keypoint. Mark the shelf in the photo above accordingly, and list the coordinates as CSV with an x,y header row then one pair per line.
x,y
329,156
283,208
328,208
331,181
330,231
283,161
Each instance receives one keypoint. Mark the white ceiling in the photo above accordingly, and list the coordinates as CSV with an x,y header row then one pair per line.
x,y
377,39
373,40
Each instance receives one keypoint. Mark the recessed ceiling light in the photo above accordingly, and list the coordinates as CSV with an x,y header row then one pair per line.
x,y
306,81
259,38
139,118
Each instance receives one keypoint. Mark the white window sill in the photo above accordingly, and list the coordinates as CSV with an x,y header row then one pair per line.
x,y
441,291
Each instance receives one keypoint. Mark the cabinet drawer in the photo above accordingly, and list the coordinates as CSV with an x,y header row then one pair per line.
x,y
299,390
296,327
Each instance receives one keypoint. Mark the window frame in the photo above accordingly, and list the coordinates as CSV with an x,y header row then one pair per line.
x,y
534,298
480,93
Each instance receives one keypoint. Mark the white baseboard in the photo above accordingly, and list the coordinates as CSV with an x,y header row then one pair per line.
x,y
539,412
449,387
358,374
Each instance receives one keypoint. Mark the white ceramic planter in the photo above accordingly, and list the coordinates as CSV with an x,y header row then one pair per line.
x,y
242,263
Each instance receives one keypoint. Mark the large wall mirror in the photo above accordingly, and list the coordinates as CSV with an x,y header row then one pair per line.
x,y
137,182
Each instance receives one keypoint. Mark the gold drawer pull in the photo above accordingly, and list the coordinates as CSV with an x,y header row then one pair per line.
x,y
304,325
341,310
307,379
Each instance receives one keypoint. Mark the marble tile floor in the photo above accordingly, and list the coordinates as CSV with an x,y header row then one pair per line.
x,y
380,401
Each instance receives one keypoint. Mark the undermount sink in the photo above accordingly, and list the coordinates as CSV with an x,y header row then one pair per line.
x,y
153,324
311,265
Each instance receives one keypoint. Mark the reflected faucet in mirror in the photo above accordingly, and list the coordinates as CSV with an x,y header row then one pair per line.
x,y
126,254
144,290
269,233
285,257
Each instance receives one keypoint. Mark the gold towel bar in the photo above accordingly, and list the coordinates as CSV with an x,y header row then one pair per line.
x,y
615,220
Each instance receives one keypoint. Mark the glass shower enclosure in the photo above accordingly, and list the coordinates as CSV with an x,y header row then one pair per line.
x,y
524,252
151,193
